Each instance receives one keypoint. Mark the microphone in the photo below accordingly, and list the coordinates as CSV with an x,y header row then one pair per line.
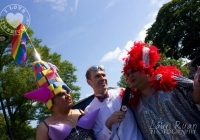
x,y
124,109
124,103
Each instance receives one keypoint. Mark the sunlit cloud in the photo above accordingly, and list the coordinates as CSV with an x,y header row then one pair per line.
x,y
118,53
142,34
121,53
125,50
59,5
110,4
76,4
111,55
159,3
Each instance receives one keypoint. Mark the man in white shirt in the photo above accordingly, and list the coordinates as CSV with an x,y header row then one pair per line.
x,y
111,123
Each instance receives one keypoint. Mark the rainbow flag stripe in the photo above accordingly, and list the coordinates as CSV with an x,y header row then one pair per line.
x,y
19,45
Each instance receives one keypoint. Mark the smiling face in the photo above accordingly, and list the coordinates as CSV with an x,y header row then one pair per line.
x,y
137,79
98,81
62,100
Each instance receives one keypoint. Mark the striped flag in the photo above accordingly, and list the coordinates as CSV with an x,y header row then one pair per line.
x,y
19,44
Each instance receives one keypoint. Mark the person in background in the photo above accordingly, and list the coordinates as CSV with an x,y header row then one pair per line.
x,y
64,122
111,123
193,66
163,100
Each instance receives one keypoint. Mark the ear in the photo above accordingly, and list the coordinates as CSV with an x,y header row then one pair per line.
x,y
89,82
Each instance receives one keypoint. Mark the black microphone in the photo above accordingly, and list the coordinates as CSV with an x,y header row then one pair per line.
x,y
124,104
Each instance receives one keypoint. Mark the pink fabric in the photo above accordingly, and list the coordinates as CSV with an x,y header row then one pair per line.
x,y
38,70
42,94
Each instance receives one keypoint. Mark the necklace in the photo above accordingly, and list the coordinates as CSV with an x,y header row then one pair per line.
x,y
71,120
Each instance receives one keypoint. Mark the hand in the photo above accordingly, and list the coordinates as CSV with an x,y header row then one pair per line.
x,y
116,117
197,79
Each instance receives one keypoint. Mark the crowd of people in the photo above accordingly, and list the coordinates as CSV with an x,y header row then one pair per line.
x,y
161,103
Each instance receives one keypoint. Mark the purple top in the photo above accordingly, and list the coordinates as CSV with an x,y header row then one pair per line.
x,y
61,131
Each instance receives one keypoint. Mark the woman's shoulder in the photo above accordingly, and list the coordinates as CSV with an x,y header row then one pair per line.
x,y
77,112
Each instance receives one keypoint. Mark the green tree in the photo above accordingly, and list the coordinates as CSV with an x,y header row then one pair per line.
x,y
16,80
176,29
122,82
3,130
164,61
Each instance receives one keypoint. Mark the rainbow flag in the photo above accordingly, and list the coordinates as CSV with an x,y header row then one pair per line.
x,y
19,45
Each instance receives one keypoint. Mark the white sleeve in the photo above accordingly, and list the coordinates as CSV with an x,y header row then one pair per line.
x,y
100,134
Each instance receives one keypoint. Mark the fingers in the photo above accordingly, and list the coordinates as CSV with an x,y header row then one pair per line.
x,y
118,116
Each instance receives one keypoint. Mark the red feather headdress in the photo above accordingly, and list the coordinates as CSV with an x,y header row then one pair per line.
x,y
143,57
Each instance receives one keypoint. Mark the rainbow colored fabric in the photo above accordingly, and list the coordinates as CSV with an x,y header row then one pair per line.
x,y
19,45
48,81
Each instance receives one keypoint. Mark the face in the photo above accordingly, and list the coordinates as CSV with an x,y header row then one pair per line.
x,y
62,99
136,79
98,81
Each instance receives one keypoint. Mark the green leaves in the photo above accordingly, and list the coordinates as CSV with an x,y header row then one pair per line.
x,y
176,29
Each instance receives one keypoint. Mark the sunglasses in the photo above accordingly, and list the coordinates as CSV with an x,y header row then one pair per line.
x,y
96,67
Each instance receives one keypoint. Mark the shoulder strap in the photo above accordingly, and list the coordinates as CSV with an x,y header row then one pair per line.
x,y
46,124
81,112
125,99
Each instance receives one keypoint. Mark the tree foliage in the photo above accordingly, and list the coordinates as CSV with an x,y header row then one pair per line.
x,y
176,30
16,80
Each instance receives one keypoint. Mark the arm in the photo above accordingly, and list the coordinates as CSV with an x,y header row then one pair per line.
x,y
196,91
42,132
102,130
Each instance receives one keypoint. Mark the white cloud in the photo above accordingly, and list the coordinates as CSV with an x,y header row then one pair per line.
x,y
117,53
111,55
152,16
142,34
153,1
59,5
76,4
124,52
159,3
110,4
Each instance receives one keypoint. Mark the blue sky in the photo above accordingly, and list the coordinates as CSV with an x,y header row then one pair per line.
x,y
89,32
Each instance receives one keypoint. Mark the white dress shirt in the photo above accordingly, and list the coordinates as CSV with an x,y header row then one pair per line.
x,y
128,129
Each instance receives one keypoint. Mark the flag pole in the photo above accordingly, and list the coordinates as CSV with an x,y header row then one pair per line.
x,y
36,55
28,37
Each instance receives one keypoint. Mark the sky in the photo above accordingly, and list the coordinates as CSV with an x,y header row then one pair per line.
x,y
87,32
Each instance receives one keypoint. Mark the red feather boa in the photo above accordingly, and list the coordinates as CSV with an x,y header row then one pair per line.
x,y
166,81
